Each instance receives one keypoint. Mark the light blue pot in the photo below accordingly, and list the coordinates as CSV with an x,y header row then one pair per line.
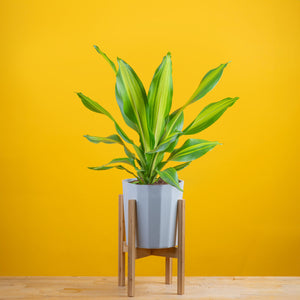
x,y
156,213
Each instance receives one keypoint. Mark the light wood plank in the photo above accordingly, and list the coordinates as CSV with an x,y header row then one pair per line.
x,y
167,252
125,247
168,270
142,252
181,247
200,288
131,246
121,254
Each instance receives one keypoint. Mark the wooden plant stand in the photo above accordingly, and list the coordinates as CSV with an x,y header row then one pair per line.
x,y
135,253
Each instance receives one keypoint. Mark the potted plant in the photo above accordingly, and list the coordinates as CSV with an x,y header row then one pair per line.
x,y
155,185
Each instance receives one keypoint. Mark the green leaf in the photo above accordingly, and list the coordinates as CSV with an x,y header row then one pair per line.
x,y
141,176
132,100
124,160
161,165
170,140
156,159
160,97
176,127
177,119
129,153
191,150
123,135
170,176
106,58
120,167
141,156
208,82
112,139
209,115
173,144
177,168
93,106
96,107
101,168
165,143
181,166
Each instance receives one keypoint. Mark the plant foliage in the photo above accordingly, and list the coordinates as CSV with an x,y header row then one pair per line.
x,y
159,129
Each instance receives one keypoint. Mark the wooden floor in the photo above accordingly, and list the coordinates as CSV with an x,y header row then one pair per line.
x,y
219,288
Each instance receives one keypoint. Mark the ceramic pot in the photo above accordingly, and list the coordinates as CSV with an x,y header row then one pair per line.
x,y
156,207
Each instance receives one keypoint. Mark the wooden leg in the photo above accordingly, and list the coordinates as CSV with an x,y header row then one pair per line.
x,y
121,257
181,247
131,246
168,275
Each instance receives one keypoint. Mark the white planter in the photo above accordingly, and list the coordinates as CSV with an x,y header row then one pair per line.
x,y
156,213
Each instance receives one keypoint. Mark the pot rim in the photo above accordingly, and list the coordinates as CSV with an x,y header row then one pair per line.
x,y
129,180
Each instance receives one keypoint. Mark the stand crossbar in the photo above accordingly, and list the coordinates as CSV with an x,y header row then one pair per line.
x,y
136,253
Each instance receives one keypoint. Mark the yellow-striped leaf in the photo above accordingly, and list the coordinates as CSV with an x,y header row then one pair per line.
x,y
191,150
123,135
182,166
110,165
209,115
132,100
160,97
93,105
106,58
170,138
165,143
96,107
123,160
141,156
112,139
170,176
208,82
120,167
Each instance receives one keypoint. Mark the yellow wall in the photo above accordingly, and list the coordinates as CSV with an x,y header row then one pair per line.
x,y
59,218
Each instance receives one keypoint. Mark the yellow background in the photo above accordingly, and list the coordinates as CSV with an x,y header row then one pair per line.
x,y
59,218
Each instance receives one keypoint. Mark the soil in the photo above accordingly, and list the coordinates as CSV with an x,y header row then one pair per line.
x,y
159,181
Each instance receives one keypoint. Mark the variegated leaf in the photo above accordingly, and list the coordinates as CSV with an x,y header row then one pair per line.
x,y
191,150
106,58
181,166
120,167
160,97
208,82
209,115
93,105
112,139
132,100
96,107
170,176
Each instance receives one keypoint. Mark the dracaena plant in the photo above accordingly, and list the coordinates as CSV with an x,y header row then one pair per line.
x,y
159,129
